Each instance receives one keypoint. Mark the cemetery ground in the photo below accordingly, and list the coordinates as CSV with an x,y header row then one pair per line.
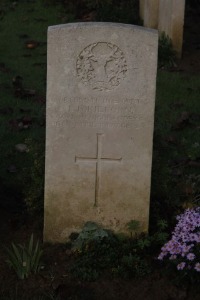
x,y
111,268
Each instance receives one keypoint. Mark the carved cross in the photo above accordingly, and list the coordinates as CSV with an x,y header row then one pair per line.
x,y
97,160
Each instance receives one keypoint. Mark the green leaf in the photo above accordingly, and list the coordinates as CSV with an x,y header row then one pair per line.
x,y
15,264
16,251
35,258
25,259
133,225
30,247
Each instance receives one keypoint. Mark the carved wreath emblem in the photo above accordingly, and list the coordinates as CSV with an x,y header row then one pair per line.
x,y
101,66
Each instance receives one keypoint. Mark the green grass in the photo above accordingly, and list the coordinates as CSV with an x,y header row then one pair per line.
x,y
20,23
30,19
175,140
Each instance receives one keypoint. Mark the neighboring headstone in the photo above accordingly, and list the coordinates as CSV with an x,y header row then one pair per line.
x,y
141,9
151,9
167,16
171,21
101,81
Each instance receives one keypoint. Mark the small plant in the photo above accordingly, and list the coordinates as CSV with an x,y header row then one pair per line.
x,y
97,250
133,226
25,259
133,265
183,248
91,231
160,236
166,53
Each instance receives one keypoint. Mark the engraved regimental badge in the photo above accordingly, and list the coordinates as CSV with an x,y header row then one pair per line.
x,y
102,66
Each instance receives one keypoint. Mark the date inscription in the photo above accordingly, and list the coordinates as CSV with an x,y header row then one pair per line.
x,y
100,113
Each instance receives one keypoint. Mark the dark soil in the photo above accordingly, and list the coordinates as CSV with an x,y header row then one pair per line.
x,y
15,226
55,280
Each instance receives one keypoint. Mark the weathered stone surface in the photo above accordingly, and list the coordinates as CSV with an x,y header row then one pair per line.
x,y
100,110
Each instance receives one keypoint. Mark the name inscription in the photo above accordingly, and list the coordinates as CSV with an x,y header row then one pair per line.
x,y
101,113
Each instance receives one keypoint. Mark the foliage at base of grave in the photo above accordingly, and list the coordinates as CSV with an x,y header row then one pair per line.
x,y
97,251
108,254
90,232
25,260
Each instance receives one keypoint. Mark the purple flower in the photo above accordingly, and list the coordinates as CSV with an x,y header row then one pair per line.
x,y
181,266
197,267
193,237
185,240
190,256
161,256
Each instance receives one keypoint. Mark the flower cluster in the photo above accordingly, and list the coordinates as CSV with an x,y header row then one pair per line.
x,y
184,246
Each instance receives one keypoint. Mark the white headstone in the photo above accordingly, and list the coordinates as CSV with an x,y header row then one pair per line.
x,y
151,9
101,82
167,16
171,21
